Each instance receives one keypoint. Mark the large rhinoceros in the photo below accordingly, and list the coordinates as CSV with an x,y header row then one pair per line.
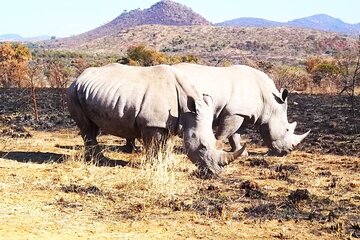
x,y
148,103
243,95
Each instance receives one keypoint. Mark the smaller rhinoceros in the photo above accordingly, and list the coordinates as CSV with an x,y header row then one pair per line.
x,y
243,95
149,103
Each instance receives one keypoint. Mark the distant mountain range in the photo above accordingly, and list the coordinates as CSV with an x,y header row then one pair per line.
x,y
170,13
319,22
18,38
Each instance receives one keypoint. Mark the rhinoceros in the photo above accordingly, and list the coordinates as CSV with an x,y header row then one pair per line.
x,y
149,103
243,95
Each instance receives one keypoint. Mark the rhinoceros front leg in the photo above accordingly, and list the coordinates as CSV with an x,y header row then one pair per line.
x,y
154,140
229,126
130,146
234,141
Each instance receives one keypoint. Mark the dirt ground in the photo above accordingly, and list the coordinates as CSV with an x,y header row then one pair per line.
x,y
48,192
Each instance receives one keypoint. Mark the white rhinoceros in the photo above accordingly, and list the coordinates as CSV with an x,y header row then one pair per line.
x,y
243,95
148,103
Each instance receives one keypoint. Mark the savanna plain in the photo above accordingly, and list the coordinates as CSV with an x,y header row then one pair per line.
x,y
48,192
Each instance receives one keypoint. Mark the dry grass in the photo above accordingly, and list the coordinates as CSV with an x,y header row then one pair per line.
x,y
255,198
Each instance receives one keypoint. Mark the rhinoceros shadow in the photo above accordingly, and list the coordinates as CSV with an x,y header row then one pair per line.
x,y
34,157
115,148
108,162
46,157
104,161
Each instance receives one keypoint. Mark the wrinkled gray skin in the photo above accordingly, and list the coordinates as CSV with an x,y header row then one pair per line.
x,y
243,95
148,103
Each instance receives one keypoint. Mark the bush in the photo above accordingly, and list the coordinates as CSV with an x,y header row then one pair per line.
x,y
292,78
325,72
140,55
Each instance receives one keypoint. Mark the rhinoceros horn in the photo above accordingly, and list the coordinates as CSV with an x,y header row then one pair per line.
x,y
298,138
227,157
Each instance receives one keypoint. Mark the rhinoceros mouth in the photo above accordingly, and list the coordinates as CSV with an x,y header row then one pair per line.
x,y
219,159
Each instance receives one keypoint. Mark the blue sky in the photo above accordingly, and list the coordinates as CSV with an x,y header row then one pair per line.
x,y
64,18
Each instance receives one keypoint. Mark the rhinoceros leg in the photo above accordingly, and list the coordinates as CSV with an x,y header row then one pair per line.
x,y
154,140
228,128
234,141
130,145
89,132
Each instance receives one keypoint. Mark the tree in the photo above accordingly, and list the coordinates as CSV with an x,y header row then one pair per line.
x,y
59,75
351,65
34,73
14,58
80,65
356,74
351,79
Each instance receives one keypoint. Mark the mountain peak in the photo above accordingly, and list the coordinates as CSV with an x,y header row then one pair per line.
x,y
319,18
321,22
324,22
165,12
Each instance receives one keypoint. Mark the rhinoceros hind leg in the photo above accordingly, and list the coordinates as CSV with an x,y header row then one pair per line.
x,y
89,132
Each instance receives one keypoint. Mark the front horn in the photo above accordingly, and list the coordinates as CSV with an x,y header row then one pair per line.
x,y
227,158
299,138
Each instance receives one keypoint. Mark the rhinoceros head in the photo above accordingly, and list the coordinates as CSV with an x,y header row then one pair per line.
x,y
277,132
200,142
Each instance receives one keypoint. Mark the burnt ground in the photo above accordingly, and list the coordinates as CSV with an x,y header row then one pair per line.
x,y
334,124
313,193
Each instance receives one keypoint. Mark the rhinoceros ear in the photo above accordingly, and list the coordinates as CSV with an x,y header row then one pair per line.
x,y
191,104
284,93
208,100
196,106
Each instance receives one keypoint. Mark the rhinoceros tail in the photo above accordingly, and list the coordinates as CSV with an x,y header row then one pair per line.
x,y
87,127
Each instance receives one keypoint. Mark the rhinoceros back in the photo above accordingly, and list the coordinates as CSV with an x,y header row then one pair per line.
x,y
120,99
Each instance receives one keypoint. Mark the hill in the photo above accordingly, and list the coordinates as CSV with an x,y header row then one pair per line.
x,y
218,43
249,22
10,37
174,28
18,38
326,23
321,22
165,12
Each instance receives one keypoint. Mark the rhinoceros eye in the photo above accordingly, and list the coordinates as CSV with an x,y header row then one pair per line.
x,y
202,146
